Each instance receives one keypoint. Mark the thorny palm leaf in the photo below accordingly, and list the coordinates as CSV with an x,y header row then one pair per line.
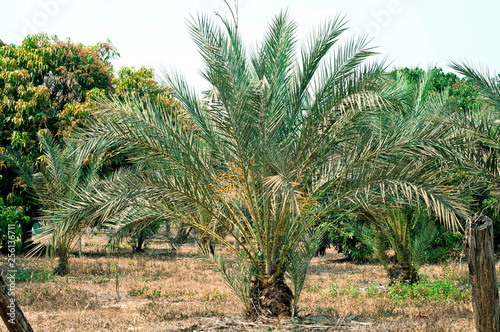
x,y
480,150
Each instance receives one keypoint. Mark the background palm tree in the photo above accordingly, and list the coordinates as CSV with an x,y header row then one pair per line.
x,y
419,151
481,126
410,233
62,170
479,150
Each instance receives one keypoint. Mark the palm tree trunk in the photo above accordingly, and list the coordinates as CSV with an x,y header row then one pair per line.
x,y
270,297
63,266
26,239
401,272
140,243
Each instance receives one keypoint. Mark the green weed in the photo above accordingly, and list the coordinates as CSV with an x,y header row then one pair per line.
x,y
427,291
33,276
138,291
214,296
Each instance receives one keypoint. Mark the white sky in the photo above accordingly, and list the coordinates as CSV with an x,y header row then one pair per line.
x,y
153,33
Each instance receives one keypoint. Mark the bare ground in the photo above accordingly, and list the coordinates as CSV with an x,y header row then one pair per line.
x,y
162,291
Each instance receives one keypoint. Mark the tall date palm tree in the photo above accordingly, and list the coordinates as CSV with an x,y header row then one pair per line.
x,y
283,135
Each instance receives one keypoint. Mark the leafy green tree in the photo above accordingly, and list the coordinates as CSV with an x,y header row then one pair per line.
x,y
39,79
280,139
141,82
462,92
42,75
11,216
344,236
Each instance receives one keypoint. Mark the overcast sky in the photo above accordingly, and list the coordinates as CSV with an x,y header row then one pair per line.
x,y
153,33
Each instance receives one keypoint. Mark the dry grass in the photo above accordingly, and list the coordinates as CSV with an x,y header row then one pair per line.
x,y
161,292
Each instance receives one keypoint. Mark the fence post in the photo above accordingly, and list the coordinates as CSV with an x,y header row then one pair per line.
x,y
481,258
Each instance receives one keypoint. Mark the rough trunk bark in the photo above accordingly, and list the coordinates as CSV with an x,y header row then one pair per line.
x,y
481,258
63,267
80,247
403,273
11,314
270,298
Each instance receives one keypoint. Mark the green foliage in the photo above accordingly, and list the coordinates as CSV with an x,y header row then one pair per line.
x,y
348,238
425,292
139,238
462,92
214,296
39,77
345,236
75,113
140,82
42,81
11,216
40,275
430,292
411,234
449,241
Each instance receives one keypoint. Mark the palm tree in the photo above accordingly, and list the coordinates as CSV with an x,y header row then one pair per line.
x,y
62,171
423,151
281,138
426,108
410,233
481,128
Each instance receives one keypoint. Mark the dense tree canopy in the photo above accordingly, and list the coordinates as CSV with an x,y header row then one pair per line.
x,y
51,86
462,91
38,80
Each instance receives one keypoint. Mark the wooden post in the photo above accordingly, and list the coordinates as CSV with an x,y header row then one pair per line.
x,y
11,314
80,247
481,257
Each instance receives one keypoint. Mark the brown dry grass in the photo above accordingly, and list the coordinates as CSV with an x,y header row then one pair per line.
x,y
183,293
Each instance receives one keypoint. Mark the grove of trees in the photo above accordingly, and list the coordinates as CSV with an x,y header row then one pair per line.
x,y
295,146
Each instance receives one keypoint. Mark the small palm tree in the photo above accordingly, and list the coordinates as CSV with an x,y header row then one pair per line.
x,y
62,171
410,233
